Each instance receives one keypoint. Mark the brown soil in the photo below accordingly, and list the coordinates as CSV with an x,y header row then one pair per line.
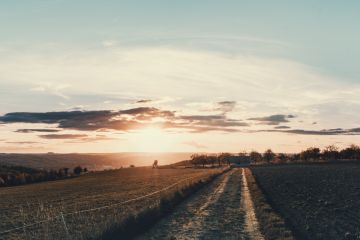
x,y
318,201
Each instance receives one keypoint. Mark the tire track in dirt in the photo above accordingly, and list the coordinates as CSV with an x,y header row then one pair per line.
x,y
251,222
215,212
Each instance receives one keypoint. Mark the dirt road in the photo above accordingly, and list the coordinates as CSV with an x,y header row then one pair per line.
x,y
221,210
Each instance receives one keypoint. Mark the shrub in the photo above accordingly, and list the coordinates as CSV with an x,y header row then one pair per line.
x,y
78,170
269,155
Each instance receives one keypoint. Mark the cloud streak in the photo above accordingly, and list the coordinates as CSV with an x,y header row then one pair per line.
x,y
324,132
144,101
22,142
226,106
37,130
195,144
63,136
273,119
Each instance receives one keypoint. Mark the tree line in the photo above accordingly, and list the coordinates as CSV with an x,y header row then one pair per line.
x,y
18,175
210,159
312,154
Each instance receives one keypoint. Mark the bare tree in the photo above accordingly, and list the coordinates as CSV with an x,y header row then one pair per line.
x,y
269,155
224,158
330,153
255,156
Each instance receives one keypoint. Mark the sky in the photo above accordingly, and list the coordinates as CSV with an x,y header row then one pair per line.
x,y
178,76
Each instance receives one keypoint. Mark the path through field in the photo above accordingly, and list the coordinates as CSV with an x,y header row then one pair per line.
x,y
222,210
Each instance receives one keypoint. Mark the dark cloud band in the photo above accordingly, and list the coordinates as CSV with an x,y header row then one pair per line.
x,y
326,132
136,118
123,120
273,119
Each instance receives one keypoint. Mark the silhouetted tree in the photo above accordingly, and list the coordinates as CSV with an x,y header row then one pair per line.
x,y
224,158
78,170
282,157
295,157
255,156
203,160
330,153
269,155
195,159
212,160
310,154
351,153
219,160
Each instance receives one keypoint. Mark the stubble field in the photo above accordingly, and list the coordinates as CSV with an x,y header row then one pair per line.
x,y
84,207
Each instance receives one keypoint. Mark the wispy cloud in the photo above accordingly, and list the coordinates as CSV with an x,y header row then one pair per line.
x,y
36,130
144,101
195,144
335,131
22,142
226,106
269,84
282,127
63,136
90,139
273,119
55,89
109,43
214,120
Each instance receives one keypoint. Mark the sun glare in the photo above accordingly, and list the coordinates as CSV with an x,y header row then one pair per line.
x,y
152,140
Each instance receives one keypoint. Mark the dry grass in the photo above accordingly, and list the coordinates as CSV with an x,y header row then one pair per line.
x,y
44,201
144,220
271,223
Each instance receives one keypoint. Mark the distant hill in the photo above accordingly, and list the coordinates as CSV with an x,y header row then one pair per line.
x,y
91,161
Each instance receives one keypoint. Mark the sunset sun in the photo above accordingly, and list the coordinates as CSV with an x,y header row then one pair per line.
x,y
152,140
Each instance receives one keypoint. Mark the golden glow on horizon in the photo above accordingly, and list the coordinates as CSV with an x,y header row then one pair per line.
x,y
152,140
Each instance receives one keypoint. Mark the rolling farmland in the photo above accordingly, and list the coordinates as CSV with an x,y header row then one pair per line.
x,y
93,161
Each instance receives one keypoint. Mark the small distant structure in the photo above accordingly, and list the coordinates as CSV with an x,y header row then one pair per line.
x,y
240,161
155,164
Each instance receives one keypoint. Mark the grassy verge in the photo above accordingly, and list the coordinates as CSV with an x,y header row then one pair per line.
x,y
272,225
134,225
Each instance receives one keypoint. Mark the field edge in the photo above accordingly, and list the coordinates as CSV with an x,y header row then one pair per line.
x,y
272,225
144,220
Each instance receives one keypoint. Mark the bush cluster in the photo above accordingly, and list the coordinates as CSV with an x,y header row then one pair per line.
x,y
18,175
